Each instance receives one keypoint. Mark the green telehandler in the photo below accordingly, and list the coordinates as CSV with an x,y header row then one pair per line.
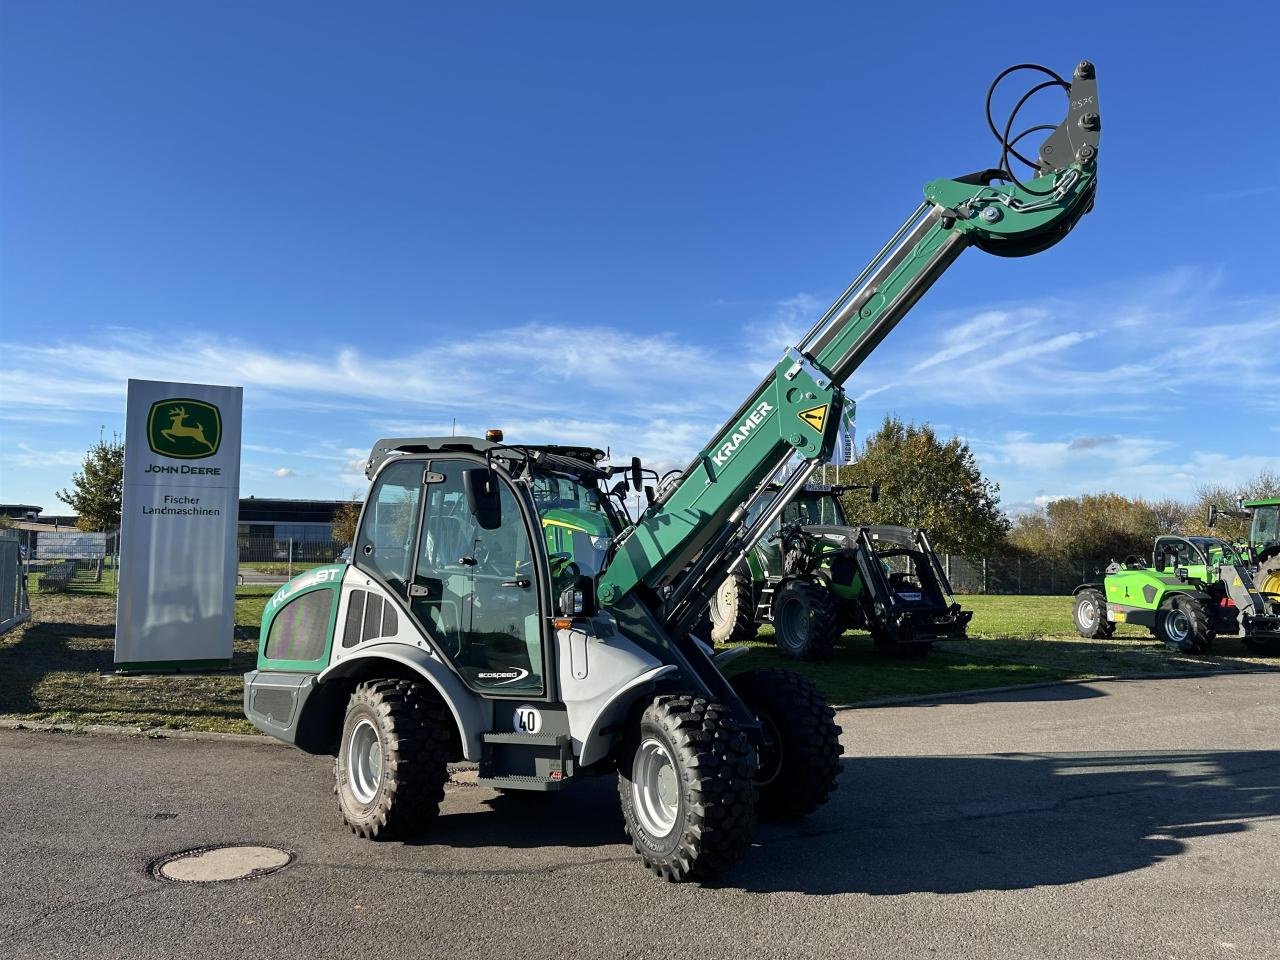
x,y
814,576
1194,588
455,633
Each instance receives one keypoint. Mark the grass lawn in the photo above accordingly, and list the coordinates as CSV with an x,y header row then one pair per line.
x,y
59,666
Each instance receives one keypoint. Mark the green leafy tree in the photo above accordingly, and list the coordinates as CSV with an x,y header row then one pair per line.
x,y
927,482
97,488
345,519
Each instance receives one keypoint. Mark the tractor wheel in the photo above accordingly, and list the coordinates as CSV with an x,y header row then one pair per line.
x,y
1090,615
686,788
1183,625
806,621
1263,646
1268,577
799,758
733,609
393,760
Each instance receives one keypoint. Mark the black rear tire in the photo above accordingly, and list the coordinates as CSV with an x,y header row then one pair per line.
x,y
1263,646
800,758
733,609
806,621
707,796
1267,579
1182,624
1090,615
402,732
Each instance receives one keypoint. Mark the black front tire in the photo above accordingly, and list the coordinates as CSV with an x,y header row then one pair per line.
x,y
800,757
733,609
399,793
1183,624
1090,615
709,794
806,621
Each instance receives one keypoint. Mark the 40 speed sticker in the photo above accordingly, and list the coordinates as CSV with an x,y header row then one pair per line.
x,y
526,720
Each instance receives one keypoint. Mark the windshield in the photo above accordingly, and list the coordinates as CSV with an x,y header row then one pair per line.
x,y
813,510
577,522
1266,524
1217,551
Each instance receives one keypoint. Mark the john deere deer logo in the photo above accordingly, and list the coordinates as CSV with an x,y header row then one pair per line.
x,y
184,429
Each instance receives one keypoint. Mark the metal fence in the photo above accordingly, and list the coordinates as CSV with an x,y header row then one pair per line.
x,y
14,606
286,557
1020,575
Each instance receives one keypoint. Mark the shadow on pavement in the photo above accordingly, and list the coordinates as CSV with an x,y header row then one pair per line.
x,y
1009,821
942,824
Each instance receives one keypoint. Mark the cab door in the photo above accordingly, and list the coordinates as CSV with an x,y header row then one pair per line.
x,y
474,590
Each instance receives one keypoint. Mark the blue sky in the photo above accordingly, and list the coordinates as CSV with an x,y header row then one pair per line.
x,y
601,223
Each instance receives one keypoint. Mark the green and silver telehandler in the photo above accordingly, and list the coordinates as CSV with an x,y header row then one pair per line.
x,y
454,632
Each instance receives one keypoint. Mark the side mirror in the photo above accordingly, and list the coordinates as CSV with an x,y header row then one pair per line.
x,y
481,488
875,493
1213,515
637,480
1183,574
578,600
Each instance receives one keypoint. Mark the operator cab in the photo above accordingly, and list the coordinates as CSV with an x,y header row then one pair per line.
x,y
1193,554
479,539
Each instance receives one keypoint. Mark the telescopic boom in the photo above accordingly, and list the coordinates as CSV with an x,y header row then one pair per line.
x,y
694,533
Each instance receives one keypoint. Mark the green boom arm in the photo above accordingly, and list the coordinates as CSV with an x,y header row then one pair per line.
x,y
687,541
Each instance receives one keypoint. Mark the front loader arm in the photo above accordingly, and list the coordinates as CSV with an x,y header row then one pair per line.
x,y
686,542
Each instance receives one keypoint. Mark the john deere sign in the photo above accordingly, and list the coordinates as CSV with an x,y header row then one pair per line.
x,y
178,526
184,429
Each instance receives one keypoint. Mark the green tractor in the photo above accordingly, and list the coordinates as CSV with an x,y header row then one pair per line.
x,y
814,576
1263,546
1193,589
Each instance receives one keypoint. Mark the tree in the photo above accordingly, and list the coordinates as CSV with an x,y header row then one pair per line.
x,y
345,519
1095,526
1265,484
927,483
97,489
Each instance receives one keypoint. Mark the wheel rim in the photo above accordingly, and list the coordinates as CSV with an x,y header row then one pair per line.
x,y
364,761
655,788
794,623
1087,614
1178,625
1269,582
769,757
720,602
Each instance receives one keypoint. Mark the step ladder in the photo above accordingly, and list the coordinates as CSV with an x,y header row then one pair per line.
x,y
522,761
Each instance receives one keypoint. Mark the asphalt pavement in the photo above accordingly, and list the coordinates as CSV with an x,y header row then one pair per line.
x,y
1107,820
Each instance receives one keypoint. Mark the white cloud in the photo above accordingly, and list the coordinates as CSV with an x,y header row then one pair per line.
x,y
283,472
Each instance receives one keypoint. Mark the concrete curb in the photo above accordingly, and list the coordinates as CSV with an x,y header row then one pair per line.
x,y
151,733
163,733
1100,678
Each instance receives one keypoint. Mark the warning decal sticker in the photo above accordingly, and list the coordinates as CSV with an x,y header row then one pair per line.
x,y
814,417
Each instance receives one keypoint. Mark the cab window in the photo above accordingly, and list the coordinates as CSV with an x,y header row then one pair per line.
x,y
385,543
474,590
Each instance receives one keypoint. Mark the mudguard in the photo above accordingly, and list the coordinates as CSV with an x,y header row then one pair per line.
x,y
602,673
473,714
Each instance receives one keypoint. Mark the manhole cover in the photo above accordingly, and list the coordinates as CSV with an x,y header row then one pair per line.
x,y
220,864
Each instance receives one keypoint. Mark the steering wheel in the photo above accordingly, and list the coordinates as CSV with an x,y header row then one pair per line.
x,y
563,564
